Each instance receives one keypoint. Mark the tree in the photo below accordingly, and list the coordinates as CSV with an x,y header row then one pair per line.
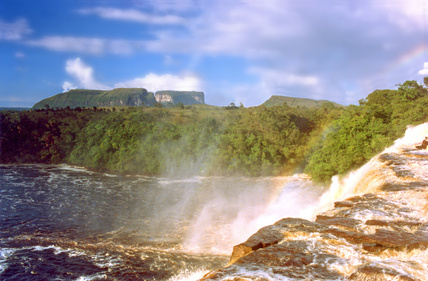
x,y
411,90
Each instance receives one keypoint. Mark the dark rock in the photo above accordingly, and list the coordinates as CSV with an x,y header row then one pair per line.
x,y
273,234
414,185
343,204
350,236
398,223
297,224
348,223
391,159
266,236
401,239
291,259
384,239
377,273
292,253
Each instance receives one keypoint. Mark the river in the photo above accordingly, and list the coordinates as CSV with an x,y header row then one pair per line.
x,y
66,223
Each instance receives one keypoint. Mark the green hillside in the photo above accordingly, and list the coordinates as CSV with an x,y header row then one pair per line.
x,y
295,102
98,98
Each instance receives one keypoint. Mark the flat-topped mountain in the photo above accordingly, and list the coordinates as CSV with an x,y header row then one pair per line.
x,y
184,97
294,102
140,96
119,97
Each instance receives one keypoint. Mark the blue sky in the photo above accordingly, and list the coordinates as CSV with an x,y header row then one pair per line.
x,y
233,50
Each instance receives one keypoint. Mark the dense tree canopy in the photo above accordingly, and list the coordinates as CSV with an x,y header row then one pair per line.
x,y
182,141
365,130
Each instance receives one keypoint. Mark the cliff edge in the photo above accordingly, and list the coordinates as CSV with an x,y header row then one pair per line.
x,y
380,234
176,97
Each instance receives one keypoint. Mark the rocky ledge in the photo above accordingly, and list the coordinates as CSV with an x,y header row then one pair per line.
x,y
381,235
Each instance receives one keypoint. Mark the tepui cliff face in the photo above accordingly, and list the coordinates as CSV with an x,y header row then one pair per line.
x,y
119,97
184,97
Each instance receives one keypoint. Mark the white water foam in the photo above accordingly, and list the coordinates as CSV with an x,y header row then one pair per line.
x,y
5,253
97,276
358,182
300,198
230,218
297,198
414,135
189,275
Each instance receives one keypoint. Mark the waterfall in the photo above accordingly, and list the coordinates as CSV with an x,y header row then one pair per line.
x,y
371,175
369,225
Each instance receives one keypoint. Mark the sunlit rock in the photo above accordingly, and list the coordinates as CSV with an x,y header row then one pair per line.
x,y
379,234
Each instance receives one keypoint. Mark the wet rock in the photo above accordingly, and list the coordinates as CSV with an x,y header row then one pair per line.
x,y
348,223
299,225
291,259
292,253
402,173
401,239
273,234
266,236
352,237
383,239
343,204
414,185
396,162
397,223
391,159
363,198
377,273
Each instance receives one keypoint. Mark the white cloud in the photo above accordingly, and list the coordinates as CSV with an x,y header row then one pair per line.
x,y
154,82
94,46
132,15
67,86
408,14
14,31
313,49
424,71
83,74
74,44
171,6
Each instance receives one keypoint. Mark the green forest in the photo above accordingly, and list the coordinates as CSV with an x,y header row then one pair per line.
x,y
206,140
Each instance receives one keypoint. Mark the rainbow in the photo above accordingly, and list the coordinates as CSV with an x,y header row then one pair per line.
x,y
420,52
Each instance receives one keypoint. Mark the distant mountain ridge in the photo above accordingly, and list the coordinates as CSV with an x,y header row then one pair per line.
x,y
119,97
140,96
294,102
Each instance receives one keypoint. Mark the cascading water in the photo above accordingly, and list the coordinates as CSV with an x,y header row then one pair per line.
x,y
369,225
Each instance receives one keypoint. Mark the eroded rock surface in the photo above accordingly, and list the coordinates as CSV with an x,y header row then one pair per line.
x,y
380,235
